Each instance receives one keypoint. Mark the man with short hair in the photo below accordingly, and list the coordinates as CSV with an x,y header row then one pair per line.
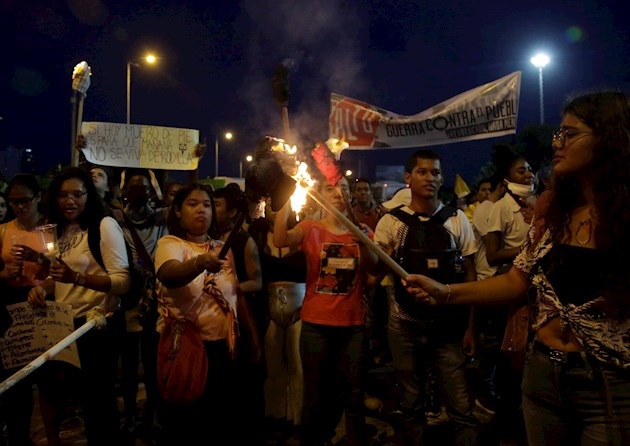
x,y
421,333
365,209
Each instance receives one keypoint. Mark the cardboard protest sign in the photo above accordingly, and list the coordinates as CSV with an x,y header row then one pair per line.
x,y
487,111
34,331
146,146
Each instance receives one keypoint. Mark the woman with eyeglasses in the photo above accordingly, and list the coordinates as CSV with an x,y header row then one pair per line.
x,y
23,266
91,270
576,384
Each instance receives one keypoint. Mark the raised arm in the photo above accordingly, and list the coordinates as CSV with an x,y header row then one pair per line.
x,y
283,236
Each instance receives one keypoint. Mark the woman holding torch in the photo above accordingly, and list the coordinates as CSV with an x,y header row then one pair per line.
x,y
576,383
333,315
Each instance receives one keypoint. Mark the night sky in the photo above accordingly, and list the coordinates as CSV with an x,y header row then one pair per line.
x,y
216,61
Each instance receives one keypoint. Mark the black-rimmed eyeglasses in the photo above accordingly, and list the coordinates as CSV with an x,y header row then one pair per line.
x,y
24,201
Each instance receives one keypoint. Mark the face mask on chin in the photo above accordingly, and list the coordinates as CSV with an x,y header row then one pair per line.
x,y
521,190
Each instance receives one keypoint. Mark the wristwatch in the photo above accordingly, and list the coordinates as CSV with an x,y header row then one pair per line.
x,y
80,280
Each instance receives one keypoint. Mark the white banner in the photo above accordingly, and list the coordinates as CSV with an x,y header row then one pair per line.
x,y
487,111
133,145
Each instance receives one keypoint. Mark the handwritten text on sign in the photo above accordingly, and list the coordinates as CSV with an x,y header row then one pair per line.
x,y
132,145
34,331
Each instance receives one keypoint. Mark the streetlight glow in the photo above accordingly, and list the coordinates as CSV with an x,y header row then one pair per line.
x,y
540,60
150,59
226,135
249,159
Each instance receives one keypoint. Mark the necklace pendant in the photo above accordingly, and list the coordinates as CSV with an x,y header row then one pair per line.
x,y
584,232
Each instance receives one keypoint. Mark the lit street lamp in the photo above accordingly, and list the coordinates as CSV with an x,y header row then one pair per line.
x,y
249,159
150,59
540,60
228,136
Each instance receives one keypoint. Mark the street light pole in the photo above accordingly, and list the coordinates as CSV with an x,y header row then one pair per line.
x,y
129,92
249,159
216,156
151,59
540,61
227,135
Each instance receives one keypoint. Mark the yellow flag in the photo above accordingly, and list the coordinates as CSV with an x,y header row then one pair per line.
x,y
461,188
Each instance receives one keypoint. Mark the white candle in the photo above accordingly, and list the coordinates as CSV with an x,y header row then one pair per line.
x,y
50,251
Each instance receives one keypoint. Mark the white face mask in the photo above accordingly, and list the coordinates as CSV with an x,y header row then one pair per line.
x,y
521,190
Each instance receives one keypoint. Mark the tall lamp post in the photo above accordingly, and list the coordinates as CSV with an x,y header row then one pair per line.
x,y
249,159
150,59
540,60
226,135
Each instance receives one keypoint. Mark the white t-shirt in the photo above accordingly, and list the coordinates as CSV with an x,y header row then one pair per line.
x,y
206,312
388,227
389,233
74,250
506,217
481,225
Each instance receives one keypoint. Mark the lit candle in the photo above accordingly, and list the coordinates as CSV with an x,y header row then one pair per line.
x,y
50,251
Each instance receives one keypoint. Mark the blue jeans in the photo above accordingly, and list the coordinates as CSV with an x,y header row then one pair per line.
x,y
412,345
331,360
569,403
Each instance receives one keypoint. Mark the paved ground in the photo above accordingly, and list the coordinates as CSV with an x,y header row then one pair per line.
x,y
383,428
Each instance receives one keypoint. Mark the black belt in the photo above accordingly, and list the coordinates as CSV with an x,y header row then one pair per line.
x,y
571,359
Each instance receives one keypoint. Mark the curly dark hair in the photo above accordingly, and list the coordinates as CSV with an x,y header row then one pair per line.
x,y
504,157
94,210
173,223
607,113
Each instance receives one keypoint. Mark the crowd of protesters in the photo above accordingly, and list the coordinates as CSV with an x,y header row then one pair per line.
x,y
301,308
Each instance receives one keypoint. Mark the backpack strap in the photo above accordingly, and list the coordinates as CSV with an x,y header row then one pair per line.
x,y
412,219
444,214
407,218
94,242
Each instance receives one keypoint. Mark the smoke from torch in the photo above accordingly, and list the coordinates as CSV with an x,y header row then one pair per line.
x,y
282,93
